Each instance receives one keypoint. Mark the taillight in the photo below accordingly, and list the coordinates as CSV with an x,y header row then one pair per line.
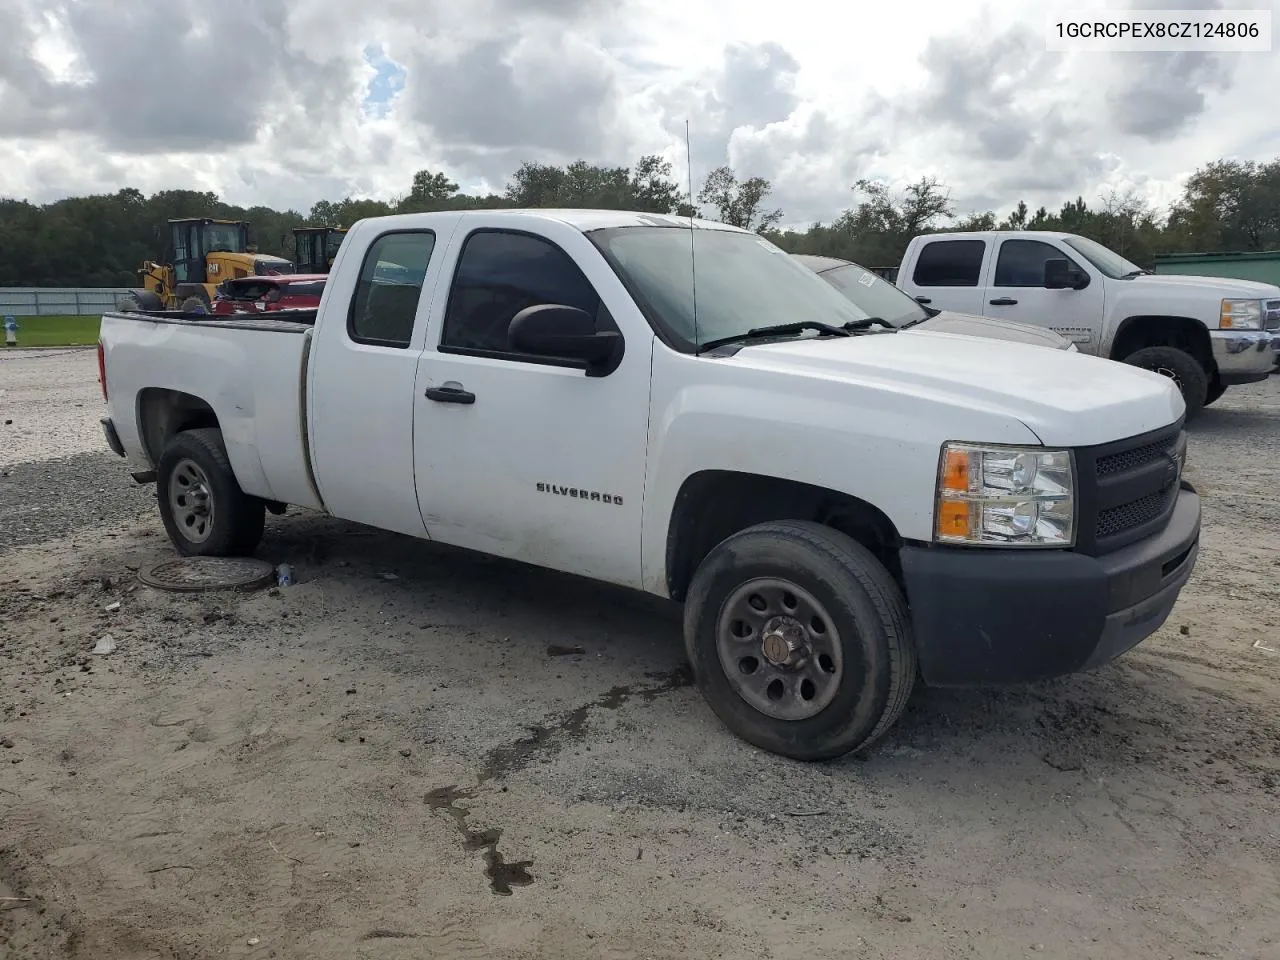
x,y
102,371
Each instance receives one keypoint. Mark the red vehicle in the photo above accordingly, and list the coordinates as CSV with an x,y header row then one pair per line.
x,y
290,291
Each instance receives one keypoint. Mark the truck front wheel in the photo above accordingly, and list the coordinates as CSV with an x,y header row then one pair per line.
x,y
800,640
202,506
1179,366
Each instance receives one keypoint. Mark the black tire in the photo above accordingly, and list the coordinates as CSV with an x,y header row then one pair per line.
x,y
1216,390
1181,367
194,305
185,291
148,300
235,522
872,631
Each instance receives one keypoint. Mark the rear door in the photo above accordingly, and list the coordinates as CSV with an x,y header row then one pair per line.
x,y
1017,292
948,273
361,381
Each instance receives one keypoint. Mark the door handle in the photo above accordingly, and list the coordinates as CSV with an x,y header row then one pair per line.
x,y
924,300
450,393
1002,302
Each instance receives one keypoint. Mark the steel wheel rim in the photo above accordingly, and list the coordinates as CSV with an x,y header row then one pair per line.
x,y
191,501
779,649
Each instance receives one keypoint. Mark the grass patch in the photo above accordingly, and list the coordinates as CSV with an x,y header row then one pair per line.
x,y
56,331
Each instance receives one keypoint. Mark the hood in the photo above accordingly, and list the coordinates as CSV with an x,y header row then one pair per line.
x,y
1216,286
1066,398
968,325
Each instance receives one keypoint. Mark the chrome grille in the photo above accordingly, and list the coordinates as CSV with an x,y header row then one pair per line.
x,y
1271,315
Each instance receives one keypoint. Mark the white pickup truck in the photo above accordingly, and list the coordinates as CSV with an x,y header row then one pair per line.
x,y
1205,333
840,507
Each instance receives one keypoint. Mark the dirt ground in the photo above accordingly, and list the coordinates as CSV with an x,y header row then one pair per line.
x,y
398,757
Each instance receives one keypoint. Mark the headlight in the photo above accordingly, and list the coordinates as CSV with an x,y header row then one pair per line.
x,y
1241,315
1005,496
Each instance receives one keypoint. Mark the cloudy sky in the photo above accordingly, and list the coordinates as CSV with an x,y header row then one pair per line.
x,y
285,102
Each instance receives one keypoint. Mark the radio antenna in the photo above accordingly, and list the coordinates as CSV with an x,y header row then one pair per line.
x,y
693,257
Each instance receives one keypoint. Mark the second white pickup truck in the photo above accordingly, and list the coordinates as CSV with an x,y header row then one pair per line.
x,y
839,507
1204,333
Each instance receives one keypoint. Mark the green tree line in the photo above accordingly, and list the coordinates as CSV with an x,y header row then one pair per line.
x,y
101,240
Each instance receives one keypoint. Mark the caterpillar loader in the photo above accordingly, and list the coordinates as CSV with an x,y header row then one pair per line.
x,y
315,247
201,253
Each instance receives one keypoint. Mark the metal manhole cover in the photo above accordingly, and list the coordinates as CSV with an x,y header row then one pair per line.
x,y
196,574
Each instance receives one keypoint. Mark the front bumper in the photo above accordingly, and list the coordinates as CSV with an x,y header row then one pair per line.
x,y
989,616
1243,356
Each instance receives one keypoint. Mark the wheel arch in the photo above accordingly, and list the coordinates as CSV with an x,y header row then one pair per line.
x,y
1149,330
712,505
162,413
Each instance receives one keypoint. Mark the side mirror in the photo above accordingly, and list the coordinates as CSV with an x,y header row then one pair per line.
x,y
556,330
1059,274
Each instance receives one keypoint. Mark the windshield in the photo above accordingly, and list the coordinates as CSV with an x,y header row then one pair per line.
x,y
1108,261
743,281
224,237
874,295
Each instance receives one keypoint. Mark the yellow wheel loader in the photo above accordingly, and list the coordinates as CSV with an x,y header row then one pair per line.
x,y
202,252
315,247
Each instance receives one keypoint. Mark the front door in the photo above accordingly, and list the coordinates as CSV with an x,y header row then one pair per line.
x,y
528,457
1017,292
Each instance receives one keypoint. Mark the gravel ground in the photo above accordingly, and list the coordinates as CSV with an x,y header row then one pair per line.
x,y
50,401
421,752
48,499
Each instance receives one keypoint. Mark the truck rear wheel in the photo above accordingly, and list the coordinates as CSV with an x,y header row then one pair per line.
x,y
800,640
202,506
1179,366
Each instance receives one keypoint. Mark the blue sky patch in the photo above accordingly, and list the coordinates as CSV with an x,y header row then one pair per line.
x,y
386,83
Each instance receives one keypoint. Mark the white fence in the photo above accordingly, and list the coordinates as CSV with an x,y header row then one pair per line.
x,y
59,301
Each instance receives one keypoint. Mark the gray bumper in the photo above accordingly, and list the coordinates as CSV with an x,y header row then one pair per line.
x,y
1243,356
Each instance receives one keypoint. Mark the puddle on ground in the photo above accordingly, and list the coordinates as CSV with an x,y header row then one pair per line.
x,y
546,738
502,875
552,736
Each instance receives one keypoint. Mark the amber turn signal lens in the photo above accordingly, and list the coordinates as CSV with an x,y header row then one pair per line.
x,y
953,518
955,472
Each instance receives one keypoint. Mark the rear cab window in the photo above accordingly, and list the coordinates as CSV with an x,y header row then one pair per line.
x,y
949,263
385,302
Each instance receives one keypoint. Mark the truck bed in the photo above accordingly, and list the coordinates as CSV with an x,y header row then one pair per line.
x,y
249,369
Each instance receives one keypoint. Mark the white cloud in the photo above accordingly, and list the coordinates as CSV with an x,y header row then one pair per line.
x,y
270,101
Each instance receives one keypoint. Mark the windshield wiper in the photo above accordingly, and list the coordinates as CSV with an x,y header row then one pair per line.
x,y
864,323
1137,273
777,329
